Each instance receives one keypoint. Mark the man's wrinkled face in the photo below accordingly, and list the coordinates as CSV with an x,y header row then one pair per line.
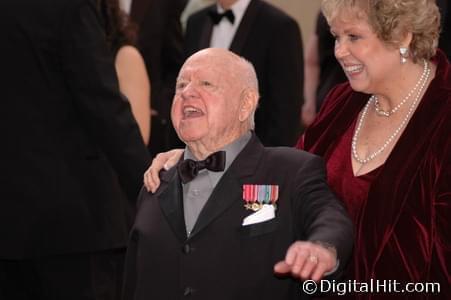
x,y
207,100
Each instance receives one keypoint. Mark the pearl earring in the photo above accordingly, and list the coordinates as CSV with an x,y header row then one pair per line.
x,y
404,52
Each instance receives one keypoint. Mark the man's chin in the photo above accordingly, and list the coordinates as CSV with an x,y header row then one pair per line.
x,y
190,138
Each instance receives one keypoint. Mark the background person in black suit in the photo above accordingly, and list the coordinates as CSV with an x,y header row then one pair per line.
x,y
271,41
160,41
196,236
72,156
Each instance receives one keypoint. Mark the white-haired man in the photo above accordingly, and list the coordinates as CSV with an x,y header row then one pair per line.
x,y
233,217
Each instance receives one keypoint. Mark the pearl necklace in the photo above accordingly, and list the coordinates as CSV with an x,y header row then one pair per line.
x,y
384,113
397,130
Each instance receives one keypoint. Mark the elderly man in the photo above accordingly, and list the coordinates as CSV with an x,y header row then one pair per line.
x,y
233,218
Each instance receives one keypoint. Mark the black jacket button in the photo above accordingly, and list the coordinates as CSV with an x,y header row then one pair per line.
x,y
187,292
186,249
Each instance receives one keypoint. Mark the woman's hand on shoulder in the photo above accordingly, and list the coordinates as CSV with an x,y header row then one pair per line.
x,y
164,160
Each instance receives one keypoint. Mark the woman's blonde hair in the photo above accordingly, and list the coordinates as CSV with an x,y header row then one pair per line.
x,y
391,20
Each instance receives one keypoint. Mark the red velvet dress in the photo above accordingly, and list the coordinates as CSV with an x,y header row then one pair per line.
x,y
401,210
341,178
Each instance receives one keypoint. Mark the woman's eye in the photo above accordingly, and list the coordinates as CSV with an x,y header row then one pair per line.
x,y
353,37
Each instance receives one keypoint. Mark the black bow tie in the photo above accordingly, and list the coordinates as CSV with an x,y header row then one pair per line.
x,y
188,169
217,17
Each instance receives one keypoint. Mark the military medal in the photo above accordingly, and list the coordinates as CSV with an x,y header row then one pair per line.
x,y
256,195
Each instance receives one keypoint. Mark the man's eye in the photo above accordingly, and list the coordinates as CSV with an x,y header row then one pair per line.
x,y
181,85
205,83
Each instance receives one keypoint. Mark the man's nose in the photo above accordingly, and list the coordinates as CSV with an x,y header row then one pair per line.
x,y
189,91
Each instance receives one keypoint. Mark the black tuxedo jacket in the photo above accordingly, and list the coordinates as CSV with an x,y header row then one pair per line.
x,y
71,151
271,41
221,259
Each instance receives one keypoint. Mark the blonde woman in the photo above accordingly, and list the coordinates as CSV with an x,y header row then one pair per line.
x,y
385,136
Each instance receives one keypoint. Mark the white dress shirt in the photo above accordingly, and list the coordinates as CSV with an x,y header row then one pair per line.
x,y
224,32
125,5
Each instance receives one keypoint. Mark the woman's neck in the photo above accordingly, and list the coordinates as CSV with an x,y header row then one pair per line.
x,y
411,79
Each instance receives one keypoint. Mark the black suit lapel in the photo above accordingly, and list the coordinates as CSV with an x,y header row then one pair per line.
x,y
171,203
224,195
229,188
245,27
206,30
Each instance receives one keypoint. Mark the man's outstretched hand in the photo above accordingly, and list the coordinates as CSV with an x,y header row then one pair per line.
x,y
307,260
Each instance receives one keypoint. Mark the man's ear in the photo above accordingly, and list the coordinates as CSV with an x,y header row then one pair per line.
x,y
249,101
